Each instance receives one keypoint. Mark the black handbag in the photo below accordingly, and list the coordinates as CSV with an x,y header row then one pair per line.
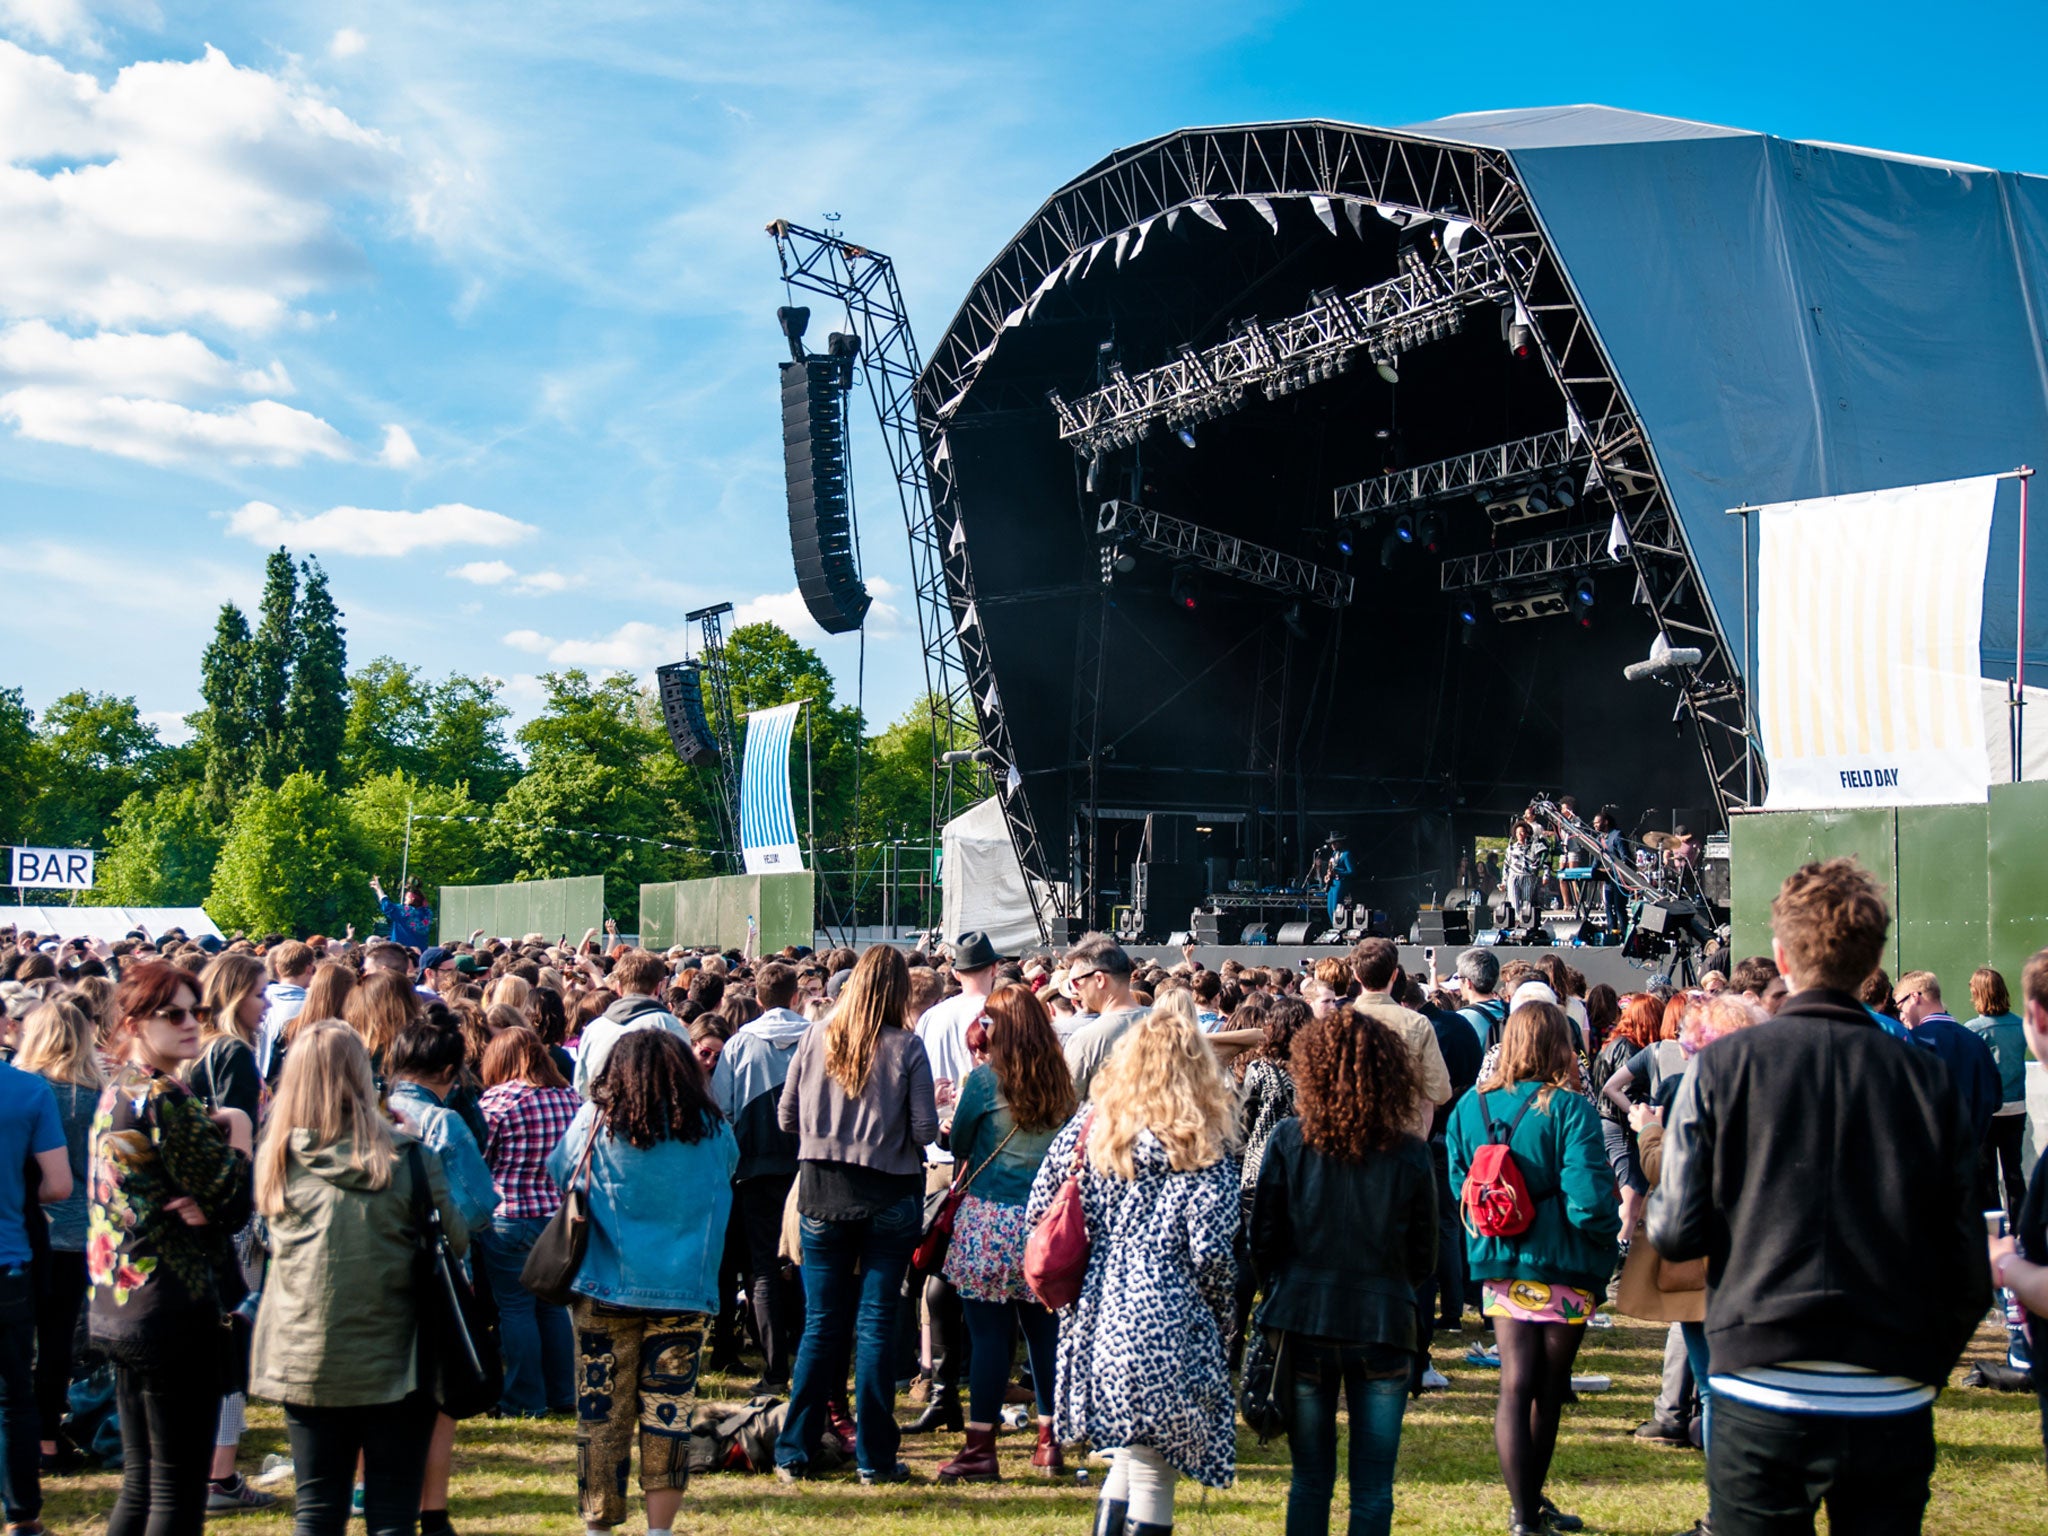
x,y
459,1368
557,1254
1262,1391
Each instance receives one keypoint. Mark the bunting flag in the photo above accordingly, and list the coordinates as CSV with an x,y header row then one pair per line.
x,y
767,820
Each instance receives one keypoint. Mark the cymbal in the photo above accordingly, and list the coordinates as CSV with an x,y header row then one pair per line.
x,y
1659,840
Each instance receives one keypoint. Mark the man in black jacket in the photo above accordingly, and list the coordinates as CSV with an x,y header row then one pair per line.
x,y
1825,1171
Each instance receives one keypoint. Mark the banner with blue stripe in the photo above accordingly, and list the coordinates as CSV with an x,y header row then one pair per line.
x,y
767,819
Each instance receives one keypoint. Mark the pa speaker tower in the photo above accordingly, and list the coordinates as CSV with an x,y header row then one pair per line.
x,y
682,710
820,515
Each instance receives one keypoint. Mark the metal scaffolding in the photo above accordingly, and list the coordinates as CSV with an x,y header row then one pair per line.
x,y
1126,523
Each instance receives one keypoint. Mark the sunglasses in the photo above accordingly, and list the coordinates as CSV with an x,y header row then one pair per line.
x,y
197,1015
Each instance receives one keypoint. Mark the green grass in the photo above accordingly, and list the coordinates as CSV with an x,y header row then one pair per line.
x,y
517,1478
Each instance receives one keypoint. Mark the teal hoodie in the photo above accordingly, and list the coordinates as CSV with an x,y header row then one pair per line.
x,y
1563,1159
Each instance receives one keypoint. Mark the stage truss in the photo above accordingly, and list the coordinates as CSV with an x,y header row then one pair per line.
x,y
1360,172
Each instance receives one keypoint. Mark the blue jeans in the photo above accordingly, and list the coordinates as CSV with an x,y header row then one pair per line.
x,y
1318,1368
1696,1352
848,1312
534,1338
992,1325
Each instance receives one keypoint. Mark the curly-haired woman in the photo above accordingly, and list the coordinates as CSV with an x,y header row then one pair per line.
x,y
1007,1114
170,1188
661,1164
1343,1227
1141,1363
1543,1283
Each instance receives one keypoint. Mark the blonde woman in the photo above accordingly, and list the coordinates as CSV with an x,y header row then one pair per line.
x,y
60,1044
232,1003
859,1099
1142,1362
507,992
334,1338
382,1005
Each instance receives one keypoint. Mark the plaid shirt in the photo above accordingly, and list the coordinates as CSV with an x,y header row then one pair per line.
x,y
525,1124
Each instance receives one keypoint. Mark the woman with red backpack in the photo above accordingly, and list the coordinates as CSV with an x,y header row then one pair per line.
x,y
1529,1168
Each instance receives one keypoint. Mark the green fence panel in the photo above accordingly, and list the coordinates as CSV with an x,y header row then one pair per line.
x,y
555,908
2018,877
1766,846
715,911
1940,919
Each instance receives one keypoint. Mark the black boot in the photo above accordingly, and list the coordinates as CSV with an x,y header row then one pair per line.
x,y
941,1411
1109,1517
1143,1528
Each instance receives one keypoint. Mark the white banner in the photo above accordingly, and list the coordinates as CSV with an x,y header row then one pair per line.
x,y
1868,668
52,869
767,821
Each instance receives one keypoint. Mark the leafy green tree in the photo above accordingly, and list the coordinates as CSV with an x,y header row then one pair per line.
x,y
316,705
226,722
294,862
160,850
23,776
465,738
96,750
271,653
389,705
448,846
445,733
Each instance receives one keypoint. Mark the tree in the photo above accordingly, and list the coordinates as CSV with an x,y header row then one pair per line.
x,y
316,706
448,845
465,738
446,733
270,656
160,850
226,723
23,777
294,862
389,707
94,751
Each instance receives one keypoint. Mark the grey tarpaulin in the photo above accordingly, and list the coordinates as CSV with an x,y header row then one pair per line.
x,y
1794,320
984,884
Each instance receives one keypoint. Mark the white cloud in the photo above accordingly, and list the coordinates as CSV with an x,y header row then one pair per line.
x,y
177,366
398,451
54,22
163,432
367,531
531,640
184,191
546,581
485,573
496,573
787,612
346,43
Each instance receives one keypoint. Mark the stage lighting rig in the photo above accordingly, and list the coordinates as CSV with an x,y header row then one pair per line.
x,y
1498,478
1549,560
1125,526
1425,301
1530,603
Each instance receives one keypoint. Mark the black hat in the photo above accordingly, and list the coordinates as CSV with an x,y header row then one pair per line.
x,y
1339,837
974,952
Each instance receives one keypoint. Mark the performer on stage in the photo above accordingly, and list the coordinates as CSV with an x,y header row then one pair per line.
x,y
1340,874
1524,873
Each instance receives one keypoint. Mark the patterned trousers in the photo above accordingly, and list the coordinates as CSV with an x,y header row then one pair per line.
x,y
633,1369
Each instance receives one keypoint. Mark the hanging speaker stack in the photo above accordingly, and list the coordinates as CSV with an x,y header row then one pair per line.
x,y
820,513
681,685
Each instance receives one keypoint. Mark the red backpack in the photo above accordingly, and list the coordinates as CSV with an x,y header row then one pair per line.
x,y
1496,1197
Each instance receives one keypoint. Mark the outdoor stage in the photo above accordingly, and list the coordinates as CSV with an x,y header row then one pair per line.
x,y
1606,964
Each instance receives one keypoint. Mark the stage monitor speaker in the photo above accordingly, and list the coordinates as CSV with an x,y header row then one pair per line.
x,y
1444,927
682,711
1672,919
820,513
1254,933
1292,933
1165,894
1218,927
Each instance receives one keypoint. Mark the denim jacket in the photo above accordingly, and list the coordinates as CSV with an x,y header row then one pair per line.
x,y
657,1217
442,1131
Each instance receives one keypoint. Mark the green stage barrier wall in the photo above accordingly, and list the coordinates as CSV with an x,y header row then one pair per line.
x,y
1968,884
556,908
714,911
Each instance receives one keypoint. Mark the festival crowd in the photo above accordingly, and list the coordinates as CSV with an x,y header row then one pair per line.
x,y
399,1185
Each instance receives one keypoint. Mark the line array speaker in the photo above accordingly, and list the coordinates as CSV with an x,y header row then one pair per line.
x,y
820,515
682,711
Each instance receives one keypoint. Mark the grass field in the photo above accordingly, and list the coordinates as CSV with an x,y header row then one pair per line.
x,y
518,1478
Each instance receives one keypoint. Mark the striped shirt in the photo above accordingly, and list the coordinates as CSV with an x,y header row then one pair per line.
x,y
1825,1387
526,1122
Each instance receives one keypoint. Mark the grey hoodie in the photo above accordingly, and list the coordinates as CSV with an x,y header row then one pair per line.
x,y
600,1035
747,1084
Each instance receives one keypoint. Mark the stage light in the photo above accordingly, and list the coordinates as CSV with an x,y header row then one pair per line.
x,y
1404,528
1582,601
1514,332
1187,436
1537,500
1431,529
1562,494
1185,590
1291,617
1095,470
1387,370
1122,561
1468,610
1345,545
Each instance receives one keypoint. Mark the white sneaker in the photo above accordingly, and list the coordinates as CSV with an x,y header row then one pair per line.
x,y
1600,1320
1434,1380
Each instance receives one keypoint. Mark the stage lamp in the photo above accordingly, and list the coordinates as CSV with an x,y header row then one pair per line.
x,y
1122,561
1562,495
1185,590
1468,610
1582,601
1517,335
1095,471
1291,617
1387,370
1187,436
1431,529
1537,501
1404,528
1345,544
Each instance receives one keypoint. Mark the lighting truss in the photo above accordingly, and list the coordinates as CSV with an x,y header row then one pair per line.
x,y
1525,458
1424,302
1537,558
1128,523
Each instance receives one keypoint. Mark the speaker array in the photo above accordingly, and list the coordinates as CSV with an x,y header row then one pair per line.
x,y
681,685
820,516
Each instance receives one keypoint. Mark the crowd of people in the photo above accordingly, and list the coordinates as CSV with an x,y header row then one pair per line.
x,y
226,1169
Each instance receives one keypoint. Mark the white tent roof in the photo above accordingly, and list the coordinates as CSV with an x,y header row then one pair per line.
x,y
108,922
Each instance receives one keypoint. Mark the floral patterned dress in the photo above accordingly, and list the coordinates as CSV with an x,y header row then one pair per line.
x,y
1142,1358
155,1292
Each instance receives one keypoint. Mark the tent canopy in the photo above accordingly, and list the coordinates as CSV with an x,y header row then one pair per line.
x,y
108,923
984,884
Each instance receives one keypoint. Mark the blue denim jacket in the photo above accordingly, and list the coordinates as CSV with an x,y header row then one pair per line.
x,y
444,1134
657,1217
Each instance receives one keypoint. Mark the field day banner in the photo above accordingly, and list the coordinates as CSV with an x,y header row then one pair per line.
x,y
767,821
1869,608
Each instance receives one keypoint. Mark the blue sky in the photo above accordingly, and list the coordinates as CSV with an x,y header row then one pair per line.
x,y
474,302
